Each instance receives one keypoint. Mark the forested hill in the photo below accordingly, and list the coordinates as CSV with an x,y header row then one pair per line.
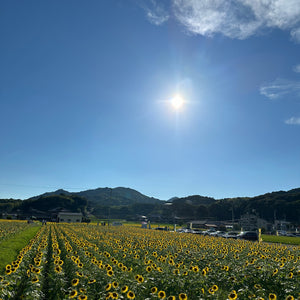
x,y
280,205
107,196
126,203
116,196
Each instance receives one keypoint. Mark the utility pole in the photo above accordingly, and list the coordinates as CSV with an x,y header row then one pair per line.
x,y
232,215
109,206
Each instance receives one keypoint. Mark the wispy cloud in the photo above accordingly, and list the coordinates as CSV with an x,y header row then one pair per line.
x,y
293,121
279,88
235,19
295,33
297,68
156,11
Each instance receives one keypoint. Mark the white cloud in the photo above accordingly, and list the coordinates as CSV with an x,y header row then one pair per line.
x,y
157,19
297,68
279,88
156,11
235,18
295,33
293,121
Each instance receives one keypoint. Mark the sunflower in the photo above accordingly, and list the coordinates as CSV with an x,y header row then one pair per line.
x,y
35,279
91,281
124,289
272,296
73,294
196,269
183,296
226,268
140,279
171,298
110,273
82,290
289,297
80,274
232,295
8,271
114,295
275,272
75,281
290,275
82,297
130,295
176,272
204,272
108,287
257,286
115,284
148,269
215,287
108,267
154,290
161,295
58,269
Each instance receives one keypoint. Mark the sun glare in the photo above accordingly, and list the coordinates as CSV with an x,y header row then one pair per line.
x,y
177,102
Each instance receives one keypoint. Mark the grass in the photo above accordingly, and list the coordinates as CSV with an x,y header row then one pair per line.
x,y
281,239
10,248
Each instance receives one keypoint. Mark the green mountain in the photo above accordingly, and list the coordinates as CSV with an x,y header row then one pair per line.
x,y
193,200
116,196
107,196
46,203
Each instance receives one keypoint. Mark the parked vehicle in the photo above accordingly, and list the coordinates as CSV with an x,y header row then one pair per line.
x,y
161,228
281,232
209,231
248,235
217,233
197,231
230,235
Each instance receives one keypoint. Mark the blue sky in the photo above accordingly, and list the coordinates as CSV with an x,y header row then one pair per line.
x,y
86,89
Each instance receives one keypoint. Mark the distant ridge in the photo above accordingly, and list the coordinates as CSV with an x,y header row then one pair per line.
x,y
107,196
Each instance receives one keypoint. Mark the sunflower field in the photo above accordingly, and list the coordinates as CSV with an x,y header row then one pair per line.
x,y
79,261
8,228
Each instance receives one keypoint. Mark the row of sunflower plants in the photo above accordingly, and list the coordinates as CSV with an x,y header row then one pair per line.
x,y
22,276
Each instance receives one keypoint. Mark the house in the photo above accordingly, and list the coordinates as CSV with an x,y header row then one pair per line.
x,y
283,225
197,224
69,217
252,222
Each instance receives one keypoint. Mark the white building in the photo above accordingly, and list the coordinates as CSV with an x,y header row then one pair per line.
x,y
69,217
252,222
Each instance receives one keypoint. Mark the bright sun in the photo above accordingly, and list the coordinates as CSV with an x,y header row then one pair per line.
x,y
177,102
